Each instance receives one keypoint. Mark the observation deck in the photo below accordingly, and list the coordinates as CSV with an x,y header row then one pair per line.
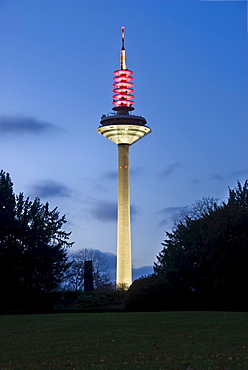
x,y
123,128
126,119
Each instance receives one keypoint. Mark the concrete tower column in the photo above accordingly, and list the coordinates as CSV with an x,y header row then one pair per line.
x,y
124,263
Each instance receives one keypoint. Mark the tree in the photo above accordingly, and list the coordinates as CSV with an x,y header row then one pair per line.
x,y
10,254
208,250
74,276
156,292
32,247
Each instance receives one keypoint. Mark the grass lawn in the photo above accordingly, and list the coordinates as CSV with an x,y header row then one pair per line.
x,y
156,340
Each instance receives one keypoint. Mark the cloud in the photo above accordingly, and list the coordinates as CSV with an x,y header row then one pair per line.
x,y
109,175
142,271
169,170
235,174
133,210
171,214
106,211
137,171
18,124
217,177
50,189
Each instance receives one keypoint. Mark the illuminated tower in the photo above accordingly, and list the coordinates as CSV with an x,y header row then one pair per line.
x,y
124,129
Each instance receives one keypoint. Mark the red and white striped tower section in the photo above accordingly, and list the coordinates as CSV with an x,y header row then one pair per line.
x,y
124,129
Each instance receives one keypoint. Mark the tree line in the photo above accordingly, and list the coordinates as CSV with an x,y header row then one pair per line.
x,y
204,260
202,265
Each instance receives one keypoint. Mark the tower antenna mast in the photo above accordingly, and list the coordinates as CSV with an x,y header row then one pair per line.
x,y
123,65
123,36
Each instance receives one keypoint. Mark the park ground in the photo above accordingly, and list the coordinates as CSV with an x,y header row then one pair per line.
x,y
125,340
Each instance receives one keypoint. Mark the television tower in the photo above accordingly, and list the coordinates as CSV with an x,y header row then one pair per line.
x,y
124,129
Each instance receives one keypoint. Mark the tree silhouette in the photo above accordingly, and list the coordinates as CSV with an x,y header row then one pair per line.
x,y
32,247
208,249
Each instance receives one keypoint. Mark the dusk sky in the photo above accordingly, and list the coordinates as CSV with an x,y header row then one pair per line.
x,y
189,60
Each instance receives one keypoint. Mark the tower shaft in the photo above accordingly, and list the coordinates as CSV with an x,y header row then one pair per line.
x,y
124,263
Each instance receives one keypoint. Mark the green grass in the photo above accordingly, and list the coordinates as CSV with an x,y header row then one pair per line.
x,y
157,340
